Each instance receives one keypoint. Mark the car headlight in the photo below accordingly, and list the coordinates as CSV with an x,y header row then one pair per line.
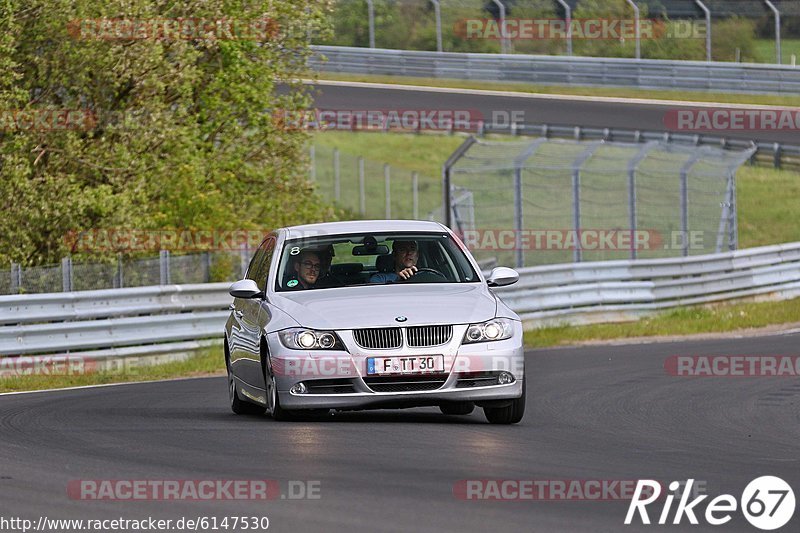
x,y
496,329
310,339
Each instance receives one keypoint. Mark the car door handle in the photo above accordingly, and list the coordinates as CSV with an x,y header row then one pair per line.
x,y
237,314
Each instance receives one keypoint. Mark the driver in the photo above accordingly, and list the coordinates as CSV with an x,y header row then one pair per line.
x,y
309,273
405,263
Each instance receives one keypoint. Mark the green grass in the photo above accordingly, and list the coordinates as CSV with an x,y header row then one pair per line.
x,y
765,50
683,321
769,206
620,92
207,362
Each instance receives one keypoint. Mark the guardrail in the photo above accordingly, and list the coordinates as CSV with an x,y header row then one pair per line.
x,y
559,70
107,324
625,290
169,319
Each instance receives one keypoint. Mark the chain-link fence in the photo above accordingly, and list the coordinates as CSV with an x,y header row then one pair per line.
x,y
371,189
543,201
163,270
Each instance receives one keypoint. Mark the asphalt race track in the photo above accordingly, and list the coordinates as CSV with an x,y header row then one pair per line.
x,y
538,110
603,413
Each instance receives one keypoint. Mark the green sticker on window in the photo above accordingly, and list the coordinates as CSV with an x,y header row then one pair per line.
x,y
291,283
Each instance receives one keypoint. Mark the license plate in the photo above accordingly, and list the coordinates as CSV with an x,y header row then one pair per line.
x,y
405,364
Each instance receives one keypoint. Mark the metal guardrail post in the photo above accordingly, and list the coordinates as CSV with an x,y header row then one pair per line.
x,y
415,193
312,154
336,176
120,272
206,267
447,212
163,263
638,28
371,16
387,182
519,162
244,261
66,274
503,33
684,192
362,194
733,240
568,14
437,10
16,278
577,254
777,30
707,13
776,155
633,166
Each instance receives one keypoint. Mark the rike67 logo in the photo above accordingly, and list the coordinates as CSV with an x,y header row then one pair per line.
x,y
767,503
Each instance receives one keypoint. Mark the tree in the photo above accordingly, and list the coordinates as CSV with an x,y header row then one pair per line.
x,y
178,128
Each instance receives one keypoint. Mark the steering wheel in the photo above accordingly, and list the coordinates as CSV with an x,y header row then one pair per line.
x,y
429,271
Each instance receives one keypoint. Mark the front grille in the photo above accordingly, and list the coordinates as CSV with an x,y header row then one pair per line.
x,y
406,383
330,386
423,336
378,338
476,379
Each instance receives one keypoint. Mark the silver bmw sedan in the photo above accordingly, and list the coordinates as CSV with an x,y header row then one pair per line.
x,y
373,314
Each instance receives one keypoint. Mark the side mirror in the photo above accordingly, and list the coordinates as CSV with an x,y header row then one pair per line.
x,y
245,288
502,276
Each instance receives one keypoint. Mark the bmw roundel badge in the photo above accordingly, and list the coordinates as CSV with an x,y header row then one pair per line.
x,y
401,319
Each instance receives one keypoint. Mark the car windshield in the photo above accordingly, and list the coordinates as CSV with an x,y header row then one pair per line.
x,y
349,260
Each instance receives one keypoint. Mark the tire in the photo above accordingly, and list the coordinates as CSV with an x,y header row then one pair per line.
x,y
239,406
273,398
457,408
510,414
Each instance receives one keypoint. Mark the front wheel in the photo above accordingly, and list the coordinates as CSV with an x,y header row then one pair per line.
x,y
510,414
239,406
273,399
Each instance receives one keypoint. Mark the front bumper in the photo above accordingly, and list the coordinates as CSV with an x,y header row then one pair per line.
x,y
339,380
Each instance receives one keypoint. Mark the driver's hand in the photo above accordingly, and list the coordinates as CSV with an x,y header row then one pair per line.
x,y
407,272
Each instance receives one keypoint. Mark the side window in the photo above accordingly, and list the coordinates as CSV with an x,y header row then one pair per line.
x,y
255,263
264,255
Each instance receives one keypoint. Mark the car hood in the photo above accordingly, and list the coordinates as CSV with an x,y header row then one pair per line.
x,y
379,305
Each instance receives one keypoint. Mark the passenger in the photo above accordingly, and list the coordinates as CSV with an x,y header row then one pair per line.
x,y
307,271
405,255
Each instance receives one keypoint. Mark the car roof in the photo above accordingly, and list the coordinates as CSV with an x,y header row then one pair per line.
x,y
363,226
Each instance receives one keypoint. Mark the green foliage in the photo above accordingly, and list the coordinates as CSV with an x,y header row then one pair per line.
x,y
730,34
184,137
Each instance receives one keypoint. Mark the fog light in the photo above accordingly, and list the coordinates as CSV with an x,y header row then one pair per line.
x,y
299,388
505,378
